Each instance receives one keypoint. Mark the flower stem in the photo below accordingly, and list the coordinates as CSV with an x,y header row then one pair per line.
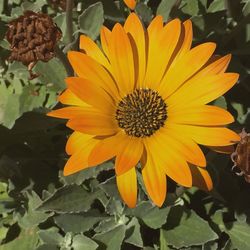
x,y
62,57
69,19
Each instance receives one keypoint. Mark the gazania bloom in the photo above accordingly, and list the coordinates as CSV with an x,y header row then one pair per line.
x,y
130,3
143,98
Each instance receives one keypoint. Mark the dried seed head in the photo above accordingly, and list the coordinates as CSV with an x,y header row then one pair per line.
x,y
241,156
55,4
32,37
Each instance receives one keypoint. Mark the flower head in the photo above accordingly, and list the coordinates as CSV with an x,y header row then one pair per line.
x,y
143,98
32,37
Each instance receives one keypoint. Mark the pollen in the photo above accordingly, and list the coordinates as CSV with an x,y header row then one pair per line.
x,y
141,113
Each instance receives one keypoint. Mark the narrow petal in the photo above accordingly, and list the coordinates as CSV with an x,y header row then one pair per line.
x,y
121,59
182,145
217,66
185,67
223,150
71,112
170,159
76,141
209,136
105,35
135,30
185,40
94,124
91,93
206,90
79,160
67,97
201,178
155,180
130,3
160,49
88,68
127,186
106,149
201,115
92,50
129,155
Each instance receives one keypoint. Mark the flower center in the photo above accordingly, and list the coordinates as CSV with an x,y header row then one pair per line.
x,y
141,112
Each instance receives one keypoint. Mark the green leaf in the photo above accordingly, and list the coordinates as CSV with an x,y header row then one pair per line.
x,y
152,216
70,199
144,12
9,106
133,234
27,240
80,177
163,242
186,229
50,236
81,242
239,235
242,113
52,73
112,239
216,5
191,7
47,247
78,223
221,102
32,217
164,8
91,20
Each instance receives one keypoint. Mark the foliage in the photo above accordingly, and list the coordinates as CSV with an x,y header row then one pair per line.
x,y
41,209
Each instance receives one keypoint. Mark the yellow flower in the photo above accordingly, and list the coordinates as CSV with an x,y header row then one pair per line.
x,y
143,98
130,3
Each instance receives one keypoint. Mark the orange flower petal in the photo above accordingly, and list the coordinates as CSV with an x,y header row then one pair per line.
x,y
106,149
206,90
209,136
76,141
105,35
169,159
155,180
91,93
162,43
79,160
224,149
92,50
94,124
185,40
185,67
182,145
134,28
71,112
67,97
130,3
129,155
127,186
201,115
217,66
201,178
121,59
88,68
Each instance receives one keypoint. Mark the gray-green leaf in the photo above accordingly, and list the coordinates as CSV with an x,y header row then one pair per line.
x,y
91,20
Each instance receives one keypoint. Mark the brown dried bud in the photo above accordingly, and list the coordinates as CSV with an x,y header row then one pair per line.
x,y
55,4
32,37
241,156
